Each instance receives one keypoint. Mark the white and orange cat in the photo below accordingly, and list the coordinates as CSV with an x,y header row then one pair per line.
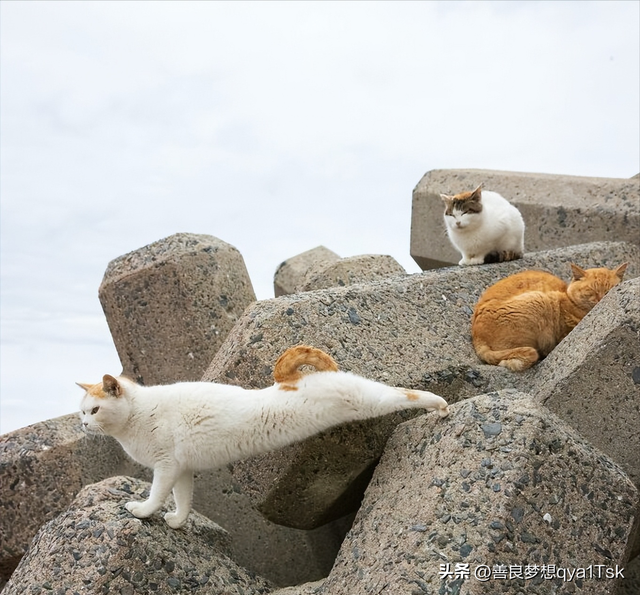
x,y
180,428
521,318
483,226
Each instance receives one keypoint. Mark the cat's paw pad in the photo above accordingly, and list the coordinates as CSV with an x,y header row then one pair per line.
x,y
173,520
138,509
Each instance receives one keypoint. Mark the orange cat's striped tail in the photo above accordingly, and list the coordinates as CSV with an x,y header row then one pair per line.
x,y
516,359
287,367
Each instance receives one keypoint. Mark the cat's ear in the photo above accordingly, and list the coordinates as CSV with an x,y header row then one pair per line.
x,y
84,386
445,198
111,386
578,273
476,194
620,270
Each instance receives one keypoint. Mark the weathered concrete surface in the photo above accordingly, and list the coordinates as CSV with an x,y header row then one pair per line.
x,y
631,583
502,481
352,270
44,466
558,210
98,547
170,305
283,555
411,331
592,379
291,273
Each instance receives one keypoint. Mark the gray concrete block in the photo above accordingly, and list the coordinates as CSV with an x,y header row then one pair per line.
x,y
411,331
558,210
502,481
96,546
352,270
592,378
170,305
44,466
291,273
630,585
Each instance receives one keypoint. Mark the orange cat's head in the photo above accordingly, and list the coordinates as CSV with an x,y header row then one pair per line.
x,y
589,286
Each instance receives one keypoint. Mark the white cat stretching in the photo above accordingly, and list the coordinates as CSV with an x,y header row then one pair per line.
x,y
484,227
191,426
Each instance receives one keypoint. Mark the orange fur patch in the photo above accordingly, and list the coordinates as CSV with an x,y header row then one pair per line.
x,y
96,391
411,396
287,387
287,368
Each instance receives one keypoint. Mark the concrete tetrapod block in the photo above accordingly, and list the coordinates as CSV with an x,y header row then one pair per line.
x,y
557,210
98,547
291,273
44,466
503,486
351,270
411,331
592,379
170,305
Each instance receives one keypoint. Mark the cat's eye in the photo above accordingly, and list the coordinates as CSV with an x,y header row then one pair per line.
x,y
94,410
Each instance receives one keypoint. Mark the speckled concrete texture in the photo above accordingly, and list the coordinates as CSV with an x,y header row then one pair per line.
x,y
630,585
42,468
592,379
411,331
98,547
170,305
291,273
352,270
283,555
502,481
558,210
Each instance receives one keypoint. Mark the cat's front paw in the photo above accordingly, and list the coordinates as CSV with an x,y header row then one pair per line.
x,y
139,509
443,411
471,261
173,520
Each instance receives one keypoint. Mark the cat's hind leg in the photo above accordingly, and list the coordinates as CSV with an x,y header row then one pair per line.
x,y
517,359
163,481
183,495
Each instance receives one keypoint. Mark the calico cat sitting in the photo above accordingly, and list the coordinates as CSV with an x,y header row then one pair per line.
x,y
484,227
180,428
521,318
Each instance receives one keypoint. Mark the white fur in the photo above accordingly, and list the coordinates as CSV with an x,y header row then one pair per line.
x,y
498,227
190,426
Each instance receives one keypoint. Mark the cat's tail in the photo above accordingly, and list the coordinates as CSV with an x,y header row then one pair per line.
x,y
501,256
516,359
287,368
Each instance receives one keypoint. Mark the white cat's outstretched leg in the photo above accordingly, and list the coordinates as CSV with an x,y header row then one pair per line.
x,y
423,399
183,495
163,480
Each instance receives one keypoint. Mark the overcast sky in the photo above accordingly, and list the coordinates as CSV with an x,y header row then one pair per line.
x,y
275,126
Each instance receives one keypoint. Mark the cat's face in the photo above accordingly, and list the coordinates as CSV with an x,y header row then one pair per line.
x,y
589,286
104,409
461,210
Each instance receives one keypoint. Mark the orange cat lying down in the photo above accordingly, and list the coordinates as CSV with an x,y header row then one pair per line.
x,y
521,318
